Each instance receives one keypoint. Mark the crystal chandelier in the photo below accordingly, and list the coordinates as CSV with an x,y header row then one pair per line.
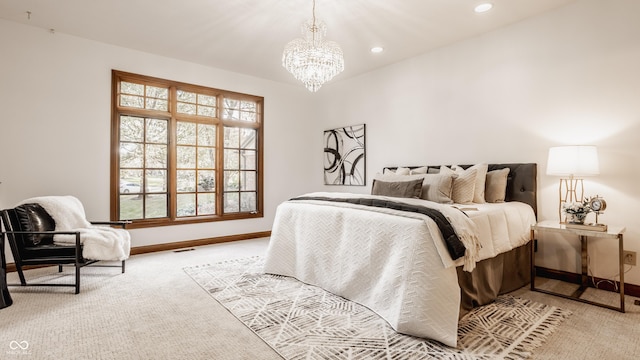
x,y
313,60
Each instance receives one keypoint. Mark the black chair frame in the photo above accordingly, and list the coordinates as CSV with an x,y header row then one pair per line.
x,y
5,297
16,242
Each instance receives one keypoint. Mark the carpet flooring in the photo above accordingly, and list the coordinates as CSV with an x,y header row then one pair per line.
x,y
301,321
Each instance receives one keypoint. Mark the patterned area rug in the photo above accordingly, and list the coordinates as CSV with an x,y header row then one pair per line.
x,y
301,321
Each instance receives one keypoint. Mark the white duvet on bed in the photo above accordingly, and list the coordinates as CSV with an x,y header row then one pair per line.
x,y
501,226
390,261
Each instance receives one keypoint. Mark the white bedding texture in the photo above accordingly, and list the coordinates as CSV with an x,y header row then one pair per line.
x,y
394,262
501,226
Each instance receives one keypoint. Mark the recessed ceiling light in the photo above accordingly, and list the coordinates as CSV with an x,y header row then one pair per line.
x,y
376,49
483,7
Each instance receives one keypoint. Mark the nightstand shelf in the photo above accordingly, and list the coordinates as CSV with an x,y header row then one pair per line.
x,y
613,232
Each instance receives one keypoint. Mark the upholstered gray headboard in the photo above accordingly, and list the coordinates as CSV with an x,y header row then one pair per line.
x,y
521,183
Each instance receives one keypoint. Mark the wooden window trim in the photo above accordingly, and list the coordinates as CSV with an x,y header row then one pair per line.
x,y
174,117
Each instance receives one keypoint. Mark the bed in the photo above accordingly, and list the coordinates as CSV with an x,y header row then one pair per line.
x,y
398,257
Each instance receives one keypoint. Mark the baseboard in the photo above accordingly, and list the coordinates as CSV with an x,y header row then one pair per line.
x,y
179,245
199,242
606,284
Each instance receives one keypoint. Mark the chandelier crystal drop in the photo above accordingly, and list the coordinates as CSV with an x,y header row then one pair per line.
x,y
312,60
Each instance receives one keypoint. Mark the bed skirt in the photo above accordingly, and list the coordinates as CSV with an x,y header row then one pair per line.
x,y
489,279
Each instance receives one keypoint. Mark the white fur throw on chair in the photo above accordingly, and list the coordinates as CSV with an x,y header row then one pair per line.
x,y
99,242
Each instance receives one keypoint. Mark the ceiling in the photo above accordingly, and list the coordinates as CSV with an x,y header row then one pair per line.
x,y
248,36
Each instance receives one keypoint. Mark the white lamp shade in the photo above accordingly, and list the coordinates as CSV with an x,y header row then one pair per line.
x,y
576,160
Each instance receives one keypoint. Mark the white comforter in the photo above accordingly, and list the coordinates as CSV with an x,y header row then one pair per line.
x,y
501,227
392,262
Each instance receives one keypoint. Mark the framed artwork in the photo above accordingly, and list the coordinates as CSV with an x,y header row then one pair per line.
x,y
344,156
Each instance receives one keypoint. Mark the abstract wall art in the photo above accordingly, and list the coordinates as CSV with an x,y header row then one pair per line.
x,y
344,156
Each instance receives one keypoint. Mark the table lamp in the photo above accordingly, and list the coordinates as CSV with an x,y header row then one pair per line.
x,y
571,163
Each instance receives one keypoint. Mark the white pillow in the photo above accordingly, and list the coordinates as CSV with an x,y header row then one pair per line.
x,y
398,171
463,185
420,170
481,177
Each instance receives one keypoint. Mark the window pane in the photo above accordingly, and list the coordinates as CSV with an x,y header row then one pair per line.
x,y
157,131
206,158
156,206
196,104
231,114
186,181
206,204
250,117
156,180
186,108
248,106
248,138
130,181
206,180
231,109
156,92
231,137
131,128
231,159
186,96
206,111
157,104
186,133
186,157
186,204
231,104
248,202
156,156
248,180
247,160
231,202
206,100
132,101
131,155
131,88
206,135
231,181
240,110
131,207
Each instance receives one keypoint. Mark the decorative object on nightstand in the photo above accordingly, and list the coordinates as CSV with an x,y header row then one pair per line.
x,y
577,213
598,205
572,163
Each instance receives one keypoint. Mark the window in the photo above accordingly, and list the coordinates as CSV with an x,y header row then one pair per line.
x,y
184,153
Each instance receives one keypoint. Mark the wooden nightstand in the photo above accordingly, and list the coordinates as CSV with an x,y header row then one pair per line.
x,y
613,232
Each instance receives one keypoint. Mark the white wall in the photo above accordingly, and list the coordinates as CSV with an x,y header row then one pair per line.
x,y
570,76
55,135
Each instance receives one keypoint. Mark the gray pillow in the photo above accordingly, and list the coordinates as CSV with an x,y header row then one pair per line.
x,y
435,187
496,185
403,189
438,187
